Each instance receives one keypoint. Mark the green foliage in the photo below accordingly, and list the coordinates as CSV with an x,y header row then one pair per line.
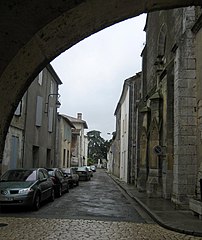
x,y
90,162
97,146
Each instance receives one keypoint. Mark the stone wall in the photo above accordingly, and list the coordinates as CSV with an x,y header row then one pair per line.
x,y
185,158
169,107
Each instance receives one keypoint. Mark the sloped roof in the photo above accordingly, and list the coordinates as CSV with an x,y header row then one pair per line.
x,y
67,120
76,120
125,86
53,73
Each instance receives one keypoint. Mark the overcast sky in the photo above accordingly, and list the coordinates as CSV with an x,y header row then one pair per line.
x,y
94,70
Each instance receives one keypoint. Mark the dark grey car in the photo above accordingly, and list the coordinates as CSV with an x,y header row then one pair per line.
x,y
83,173
26,187
71,175
61,184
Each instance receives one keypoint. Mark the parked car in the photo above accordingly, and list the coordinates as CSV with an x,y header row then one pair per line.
x,y
71,175
83,173
93,168
26,187
91,171
60,181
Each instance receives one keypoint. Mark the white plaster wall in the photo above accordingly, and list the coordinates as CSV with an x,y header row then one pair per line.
x,y
124,137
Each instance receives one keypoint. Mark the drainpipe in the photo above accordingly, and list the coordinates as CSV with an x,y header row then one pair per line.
x,y
24,130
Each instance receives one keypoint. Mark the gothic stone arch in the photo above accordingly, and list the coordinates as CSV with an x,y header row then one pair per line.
x,y
153,184
143,173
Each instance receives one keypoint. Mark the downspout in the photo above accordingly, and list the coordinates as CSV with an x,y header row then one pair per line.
x,y
24,129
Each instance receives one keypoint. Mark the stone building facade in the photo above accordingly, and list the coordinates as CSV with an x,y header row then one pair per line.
x,y
79,145
31,139
64,141
41,120
165,145
169,162
197,31
124,147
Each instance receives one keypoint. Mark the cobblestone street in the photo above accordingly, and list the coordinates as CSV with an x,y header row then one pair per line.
x,y
96,209
47,229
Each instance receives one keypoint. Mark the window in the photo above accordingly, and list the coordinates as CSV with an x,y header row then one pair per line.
x,y
64,157
125,123
41,175
51,88
39,108
14,151
45,173
31,177
48,157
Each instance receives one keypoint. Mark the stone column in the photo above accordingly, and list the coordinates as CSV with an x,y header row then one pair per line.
x,y
185,161
153,183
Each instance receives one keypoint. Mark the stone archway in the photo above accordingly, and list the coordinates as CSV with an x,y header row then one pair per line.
x,y
33,33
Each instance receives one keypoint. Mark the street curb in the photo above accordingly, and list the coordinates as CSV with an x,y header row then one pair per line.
x,y
155,217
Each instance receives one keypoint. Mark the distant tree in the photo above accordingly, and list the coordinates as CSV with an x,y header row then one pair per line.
x,y
97,146
90,161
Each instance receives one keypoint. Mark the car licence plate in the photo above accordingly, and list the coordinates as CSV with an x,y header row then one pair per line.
x,y
9,199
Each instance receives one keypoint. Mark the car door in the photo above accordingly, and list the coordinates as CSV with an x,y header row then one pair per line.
x,y
49,183
43,184
75,175
60,177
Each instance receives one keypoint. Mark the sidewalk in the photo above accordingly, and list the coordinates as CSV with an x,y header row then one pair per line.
x,y
163,211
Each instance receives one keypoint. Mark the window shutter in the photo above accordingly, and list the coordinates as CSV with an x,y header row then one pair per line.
x,y
39,108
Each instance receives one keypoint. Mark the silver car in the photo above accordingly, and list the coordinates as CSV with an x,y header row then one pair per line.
x,y
26,187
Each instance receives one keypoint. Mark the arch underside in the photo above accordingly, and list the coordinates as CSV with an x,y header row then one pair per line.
x,y
34,32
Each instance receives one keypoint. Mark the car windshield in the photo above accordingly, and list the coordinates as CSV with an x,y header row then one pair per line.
x,y
67,170
51,173
19,176
74,170
81,169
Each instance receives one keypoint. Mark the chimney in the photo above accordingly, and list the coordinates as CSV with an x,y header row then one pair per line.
x,y
79,116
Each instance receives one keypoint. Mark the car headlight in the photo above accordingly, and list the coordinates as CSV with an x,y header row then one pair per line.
x,y
25,190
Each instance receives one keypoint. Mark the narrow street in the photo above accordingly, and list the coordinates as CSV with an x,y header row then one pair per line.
x,y
99,199
97,209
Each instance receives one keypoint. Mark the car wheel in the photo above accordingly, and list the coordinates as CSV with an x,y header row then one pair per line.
x,y
37,202
52,197
59,192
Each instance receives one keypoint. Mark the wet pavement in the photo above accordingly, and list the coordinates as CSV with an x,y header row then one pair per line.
x,y
164,212
98,209
99,199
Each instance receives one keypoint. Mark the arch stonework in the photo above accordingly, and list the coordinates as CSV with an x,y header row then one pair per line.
x,y
34,32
